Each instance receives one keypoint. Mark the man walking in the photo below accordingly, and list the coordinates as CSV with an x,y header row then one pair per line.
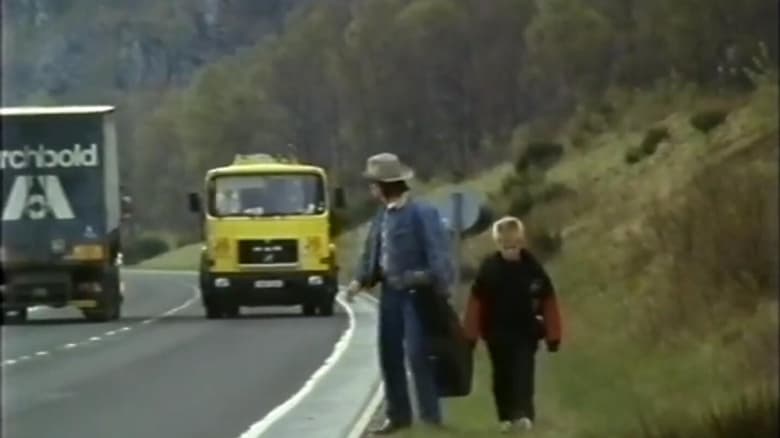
x,y
407,251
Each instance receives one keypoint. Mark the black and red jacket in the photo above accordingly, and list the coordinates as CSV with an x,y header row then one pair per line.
x,y
513,298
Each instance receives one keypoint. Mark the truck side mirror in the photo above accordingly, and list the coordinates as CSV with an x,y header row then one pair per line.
x,y
126,206
339,198
194,200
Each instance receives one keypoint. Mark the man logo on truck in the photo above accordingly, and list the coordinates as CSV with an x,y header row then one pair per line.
x,y
36,198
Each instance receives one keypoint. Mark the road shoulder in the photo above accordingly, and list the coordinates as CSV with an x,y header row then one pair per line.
x,y
334,401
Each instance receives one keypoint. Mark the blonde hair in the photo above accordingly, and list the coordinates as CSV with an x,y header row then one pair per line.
x,y
508,226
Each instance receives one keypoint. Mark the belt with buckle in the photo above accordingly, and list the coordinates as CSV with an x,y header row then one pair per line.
x,y
395,281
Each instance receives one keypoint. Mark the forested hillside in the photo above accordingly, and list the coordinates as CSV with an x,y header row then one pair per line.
x,y
444,83
452,86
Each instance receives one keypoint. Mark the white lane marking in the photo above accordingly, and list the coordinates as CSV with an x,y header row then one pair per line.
x,y
359,428
185,305
72,345
278,412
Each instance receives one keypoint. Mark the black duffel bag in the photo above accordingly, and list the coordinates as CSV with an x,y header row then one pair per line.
x,y
449,350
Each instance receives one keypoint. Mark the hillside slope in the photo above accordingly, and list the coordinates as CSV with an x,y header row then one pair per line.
x,y
666,273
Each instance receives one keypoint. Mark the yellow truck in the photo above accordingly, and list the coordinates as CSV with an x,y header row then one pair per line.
x,y
268,237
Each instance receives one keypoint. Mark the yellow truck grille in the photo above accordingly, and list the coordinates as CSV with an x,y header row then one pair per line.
x,y
268,252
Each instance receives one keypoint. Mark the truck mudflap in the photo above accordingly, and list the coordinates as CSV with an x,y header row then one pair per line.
x,y
95,292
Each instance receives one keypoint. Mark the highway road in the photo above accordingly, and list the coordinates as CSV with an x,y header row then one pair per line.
x,y
163,370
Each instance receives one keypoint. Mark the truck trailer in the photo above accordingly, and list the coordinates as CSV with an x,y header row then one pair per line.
x,y
61,211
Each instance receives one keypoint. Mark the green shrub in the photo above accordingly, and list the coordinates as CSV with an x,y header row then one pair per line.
x,y
520,203
144,247
648,149
579,139
652,139
521,180
552,191
706,121
545,242
634,155
542,155
510,183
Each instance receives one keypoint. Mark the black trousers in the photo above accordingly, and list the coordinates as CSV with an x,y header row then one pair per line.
x,y
513,366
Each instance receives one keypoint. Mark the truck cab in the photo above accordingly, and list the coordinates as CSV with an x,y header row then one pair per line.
x,y
268,237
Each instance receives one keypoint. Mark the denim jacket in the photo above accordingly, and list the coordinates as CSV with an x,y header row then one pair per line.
x,y
418,242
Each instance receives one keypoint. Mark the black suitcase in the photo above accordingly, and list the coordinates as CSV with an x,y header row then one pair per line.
x,y
450,352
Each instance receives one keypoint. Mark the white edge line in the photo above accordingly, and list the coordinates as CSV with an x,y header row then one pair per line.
x,y
368,412
257,429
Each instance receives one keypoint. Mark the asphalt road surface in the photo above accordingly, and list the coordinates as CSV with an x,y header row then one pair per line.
x,y
163,370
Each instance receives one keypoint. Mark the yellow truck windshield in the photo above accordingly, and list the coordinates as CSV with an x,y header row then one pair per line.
x,y
279,194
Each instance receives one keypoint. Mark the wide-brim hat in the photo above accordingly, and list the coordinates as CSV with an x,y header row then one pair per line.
x,y
387,167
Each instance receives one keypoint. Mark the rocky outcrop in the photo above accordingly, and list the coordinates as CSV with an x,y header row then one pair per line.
x,y
71,48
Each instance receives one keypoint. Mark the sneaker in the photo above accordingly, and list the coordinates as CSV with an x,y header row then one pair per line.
x,y
505,426
525,424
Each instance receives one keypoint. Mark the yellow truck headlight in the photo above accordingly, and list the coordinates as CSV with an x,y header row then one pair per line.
x,y
314,244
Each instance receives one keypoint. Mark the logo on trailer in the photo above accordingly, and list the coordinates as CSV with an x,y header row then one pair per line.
x,y
36,198
45,158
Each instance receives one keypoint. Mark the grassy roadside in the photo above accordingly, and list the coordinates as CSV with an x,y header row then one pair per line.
x,y
639,344
181,259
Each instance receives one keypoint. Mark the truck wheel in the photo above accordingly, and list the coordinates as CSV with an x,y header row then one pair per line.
x,y
327,308
309,309
231,311
110,305
18,316
109,311
213,311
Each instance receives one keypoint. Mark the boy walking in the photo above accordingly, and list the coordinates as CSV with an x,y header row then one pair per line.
x,y
512,307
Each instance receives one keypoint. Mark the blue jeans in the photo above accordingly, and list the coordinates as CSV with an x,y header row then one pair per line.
x,y
400,332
